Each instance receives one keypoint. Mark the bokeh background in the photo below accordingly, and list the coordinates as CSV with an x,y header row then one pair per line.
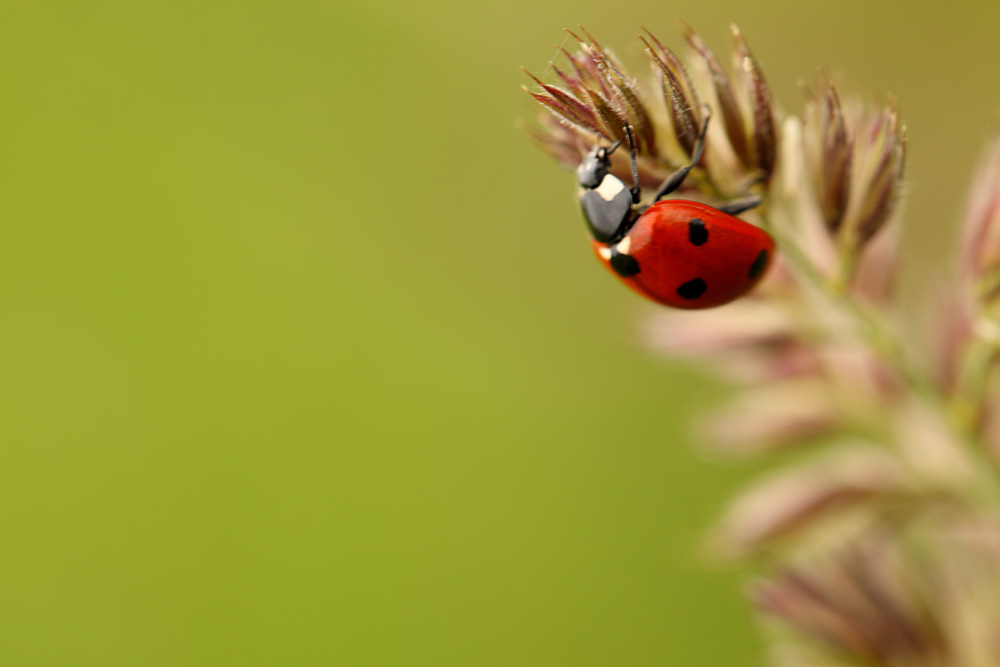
x,y
305,360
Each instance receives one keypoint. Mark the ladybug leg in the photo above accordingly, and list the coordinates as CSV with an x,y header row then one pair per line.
x,y
674,180
742,204
755,178
633,162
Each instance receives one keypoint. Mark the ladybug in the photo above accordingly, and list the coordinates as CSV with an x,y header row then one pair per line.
x,y
683,254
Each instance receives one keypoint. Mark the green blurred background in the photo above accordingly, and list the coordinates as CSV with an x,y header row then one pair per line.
x,y
305,360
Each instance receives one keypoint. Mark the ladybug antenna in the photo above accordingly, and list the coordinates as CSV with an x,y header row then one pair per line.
x,y
613,147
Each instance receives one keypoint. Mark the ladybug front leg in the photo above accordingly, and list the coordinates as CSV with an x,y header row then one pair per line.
x,y
633,161
741,204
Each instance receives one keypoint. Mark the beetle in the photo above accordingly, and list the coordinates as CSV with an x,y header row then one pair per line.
x,y
679,253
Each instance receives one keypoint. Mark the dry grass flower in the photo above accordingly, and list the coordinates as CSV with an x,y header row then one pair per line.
x,y
877,538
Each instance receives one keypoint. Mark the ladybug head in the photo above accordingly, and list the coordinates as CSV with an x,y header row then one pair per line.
x,y
595,166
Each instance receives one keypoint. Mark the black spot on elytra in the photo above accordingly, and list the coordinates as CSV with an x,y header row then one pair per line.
x,y
697,232
758,265
624,265
692,289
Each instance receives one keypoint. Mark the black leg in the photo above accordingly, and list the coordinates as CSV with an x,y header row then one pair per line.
x,y
635,165
674,180
742,204
755,178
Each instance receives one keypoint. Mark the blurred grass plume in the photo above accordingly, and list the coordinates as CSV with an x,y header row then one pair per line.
x,y
877,536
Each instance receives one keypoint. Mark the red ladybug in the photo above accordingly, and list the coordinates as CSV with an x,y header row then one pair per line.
x,y
679,253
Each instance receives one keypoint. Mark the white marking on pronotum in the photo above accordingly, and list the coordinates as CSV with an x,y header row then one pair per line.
x,y
625,245
609,188
604,252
